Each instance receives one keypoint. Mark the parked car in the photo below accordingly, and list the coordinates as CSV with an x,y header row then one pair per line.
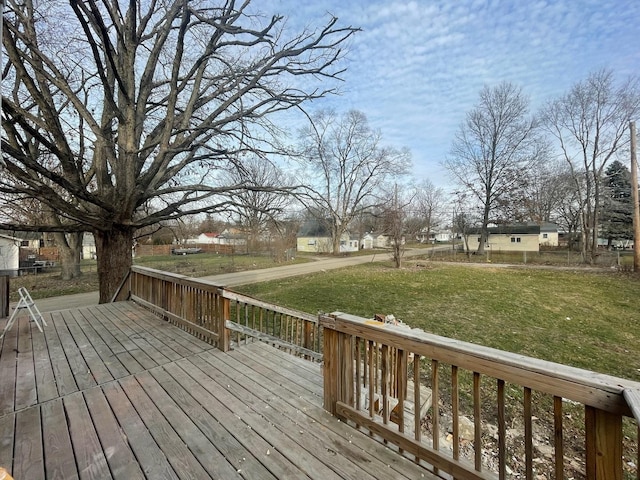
x,y
185,251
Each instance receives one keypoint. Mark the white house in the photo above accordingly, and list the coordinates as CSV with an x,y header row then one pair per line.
x,y
9,254
88,246
434,236
207,238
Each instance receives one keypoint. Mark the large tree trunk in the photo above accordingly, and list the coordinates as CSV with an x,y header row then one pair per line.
x,y
69,246
484,232
113,249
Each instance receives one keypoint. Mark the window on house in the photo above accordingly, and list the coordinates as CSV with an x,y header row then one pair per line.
x,y
24,243
311,242
516,239
545,235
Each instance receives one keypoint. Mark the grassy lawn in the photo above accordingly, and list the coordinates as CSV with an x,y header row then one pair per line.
x,y
584,319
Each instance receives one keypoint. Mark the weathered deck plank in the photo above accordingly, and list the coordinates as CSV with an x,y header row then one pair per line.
x,y
253,448
59,461
8,370
120,458
28,460
26,393
104,352
203,449
45,378
182,342
152,460
90,457
99,371
112,391
319,443
308,410
79,368
7,431
62,373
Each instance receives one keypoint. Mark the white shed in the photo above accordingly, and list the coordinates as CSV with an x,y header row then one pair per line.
x,y
9,255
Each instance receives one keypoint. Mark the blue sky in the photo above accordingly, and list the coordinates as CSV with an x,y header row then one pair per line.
x,y
418,66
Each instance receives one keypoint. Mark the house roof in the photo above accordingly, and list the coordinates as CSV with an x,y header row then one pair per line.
x,y
515,229
313,228
548,227
210,234
20,235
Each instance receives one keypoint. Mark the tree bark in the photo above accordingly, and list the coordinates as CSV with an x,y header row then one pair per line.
x,y
113,249
69,247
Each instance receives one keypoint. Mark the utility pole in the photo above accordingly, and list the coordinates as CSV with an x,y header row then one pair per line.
x,y
635,199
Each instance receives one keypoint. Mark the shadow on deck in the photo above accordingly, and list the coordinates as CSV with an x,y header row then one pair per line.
x,y
112,391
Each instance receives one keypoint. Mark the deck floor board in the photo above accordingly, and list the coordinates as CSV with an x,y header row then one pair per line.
x,y
112,391
26,393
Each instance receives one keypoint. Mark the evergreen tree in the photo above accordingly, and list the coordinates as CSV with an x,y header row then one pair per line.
x,y
617,208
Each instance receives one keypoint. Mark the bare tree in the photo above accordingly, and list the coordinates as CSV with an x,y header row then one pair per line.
x,y
348,168
125,106
497,143
590,125
539,192
567,214
256,209
394,218
428,204
32,211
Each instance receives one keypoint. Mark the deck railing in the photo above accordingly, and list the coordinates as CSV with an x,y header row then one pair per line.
x,y
220,316
462,410
474,412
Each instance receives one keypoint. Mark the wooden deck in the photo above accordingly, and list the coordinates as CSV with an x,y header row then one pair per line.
x,y
111,391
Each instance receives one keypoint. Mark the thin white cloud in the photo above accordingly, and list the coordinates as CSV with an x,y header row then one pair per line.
x,y
417,67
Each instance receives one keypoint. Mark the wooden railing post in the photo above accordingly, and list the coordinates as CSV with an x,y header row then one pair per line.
x,y
330,370
603,444
4,296
307,341
223,312
338,369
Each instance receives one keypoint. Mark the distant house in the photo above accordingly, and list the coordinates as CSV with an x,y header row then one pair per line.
x,y
366,242
513,238
88,246
207,238
381,240
314,237
232,236
434,236
18,249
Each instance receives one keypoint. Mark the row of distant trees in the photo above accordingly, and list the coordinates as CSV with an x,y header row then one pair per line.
x,y
552,165
121,118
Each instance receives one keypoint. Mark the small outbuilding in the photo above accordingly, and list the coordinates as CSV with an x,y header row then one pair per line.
x,y
9,254
508,238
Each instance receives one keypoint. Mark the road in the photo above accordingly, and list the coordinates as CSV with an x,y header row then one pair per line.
x,y
242,278
276,273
